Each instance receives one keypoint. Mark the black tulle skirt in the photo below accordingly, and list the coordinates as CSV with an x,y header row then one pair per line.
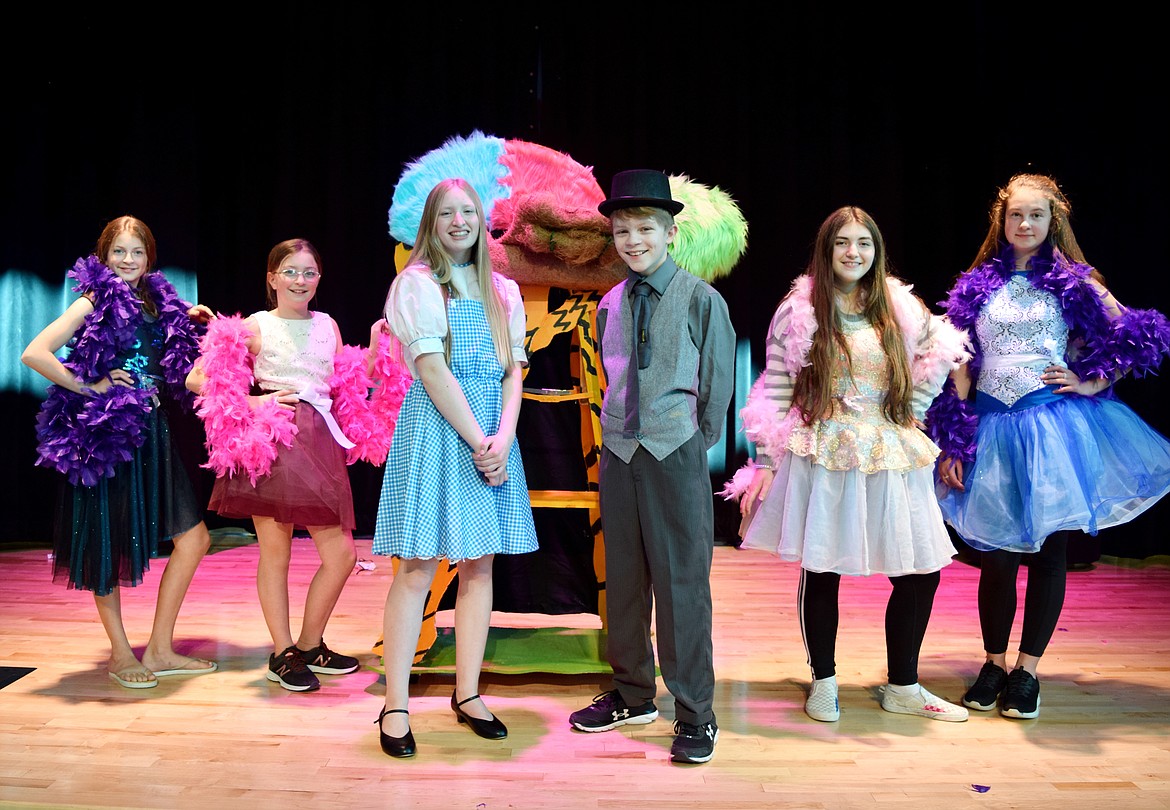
x,y
105,536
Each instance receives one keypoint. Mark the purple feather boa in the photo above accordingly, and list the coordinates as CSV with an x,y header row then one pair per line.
x,y
86,437
1134,342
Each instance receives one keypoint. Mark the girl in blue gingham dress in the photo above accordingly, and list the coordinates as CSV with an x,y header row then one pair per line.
x,y
434,501
454,485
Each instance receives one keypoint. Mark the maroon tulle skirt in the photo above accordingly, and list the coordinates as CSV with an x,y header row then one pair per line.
x,y
307,486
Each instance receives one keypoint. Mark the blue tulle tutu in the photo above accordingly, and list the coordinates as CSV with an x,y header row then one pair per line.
x,y
1052,463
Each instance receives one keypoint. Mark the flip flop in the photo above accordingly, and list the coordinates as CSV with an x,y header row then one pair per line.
x,y
134,684
162,673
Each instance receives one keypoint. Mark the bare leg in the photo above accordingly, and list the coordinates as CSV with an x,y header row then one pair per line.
x,y
401,623
123,662
338,557
189,549
473,613
275,541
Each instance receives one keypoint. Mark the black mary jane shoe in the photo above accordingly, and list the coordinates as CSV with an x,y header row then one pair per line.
x,y
488,729
400,747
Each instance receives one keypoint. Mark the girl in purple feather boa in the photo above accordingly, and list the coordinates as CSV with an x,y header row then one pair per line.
x,y
102,426
1039,446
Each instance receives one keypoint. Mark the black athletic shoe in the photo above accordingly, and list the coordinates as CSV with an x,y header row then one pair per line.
x,y
324,660
608,710
984,693
289,670
1021,698
694,743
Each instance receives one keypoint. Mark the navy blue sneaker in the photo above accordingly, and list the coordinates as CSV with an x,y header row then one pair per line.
x,y
608,711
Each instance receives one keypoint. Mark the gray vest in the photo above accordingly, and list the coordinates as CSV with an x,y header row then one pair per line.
x,y
667,388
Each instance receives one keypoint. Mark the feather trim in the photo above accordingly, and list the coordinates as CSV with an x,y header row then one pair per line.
x,y
737,485
393,381
85,437
350,387
945,348
952,423
762,423
802,324
1134,342
240,438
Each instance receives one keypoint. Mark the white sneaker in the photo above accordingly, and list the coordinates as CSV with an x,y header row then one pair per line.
x,y
923,704
822,700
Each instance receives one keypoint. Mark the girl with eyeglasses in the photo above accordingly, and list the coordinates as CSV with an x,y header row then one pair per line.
x,y
300,479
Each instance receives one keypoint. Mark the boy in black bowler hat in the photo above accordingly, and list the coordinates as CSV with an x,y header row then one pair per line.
x,y
668,350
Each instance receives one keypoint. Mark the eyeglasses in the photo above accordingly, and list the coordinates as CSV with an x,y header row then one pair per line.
x,y
290,275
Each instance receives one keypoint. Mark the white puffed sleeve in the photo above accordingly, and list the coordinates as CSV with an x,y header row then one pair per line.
x,y
517,321
416,314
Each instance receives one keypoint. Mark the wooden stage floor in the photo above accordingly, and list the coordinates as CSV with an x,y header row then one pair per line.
x,y
70,737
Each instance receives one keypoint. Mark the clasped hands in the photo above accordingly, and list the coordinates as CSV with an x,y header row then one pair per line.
x,y
491,459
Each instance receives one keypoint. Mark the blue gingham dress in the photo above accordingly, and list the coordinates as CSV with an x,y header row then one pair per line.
x,y
434,502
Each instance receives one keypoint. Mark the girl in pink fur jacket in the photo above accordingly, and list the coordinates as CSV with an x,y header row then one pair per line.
x,y
843,480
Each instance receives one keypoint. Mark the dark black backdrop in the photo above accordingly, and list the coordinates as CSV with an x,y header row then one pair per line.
x,y
228,129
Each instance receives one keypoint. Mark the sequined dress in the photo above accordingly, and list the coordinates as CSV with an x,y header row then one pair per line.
x,y
1046,462
854,493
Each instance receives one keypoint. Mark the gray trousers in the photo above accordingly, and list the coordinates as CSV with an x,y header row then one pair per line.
x,y
658,520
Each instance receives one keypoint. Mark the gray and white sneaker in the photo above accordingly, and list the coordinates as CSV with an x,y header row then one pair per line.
x,y
822,703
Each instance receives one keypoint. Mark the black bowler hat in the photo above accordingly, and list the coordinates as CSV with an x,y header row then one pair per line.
x,y
639,187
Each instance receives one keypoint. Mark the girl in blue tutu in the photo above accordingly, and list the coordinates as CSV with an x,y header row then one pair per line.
x,y
1039,446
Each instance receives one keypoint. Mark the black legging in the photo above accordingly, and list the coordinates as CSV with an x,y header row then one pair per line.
x,y
1043,599
907,614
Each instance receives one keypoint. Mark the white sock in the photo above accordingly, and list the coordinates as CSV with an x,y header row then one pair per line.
x,y
912,689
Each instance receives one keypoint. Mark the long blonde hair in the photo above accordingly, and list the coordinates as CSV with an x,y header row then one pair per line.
x,y
428,250
815,383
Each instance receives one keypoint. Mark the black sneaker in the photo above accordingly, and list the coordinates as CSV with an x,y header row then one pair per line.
x,y
288,669
1021,698
610,711
984,693
324,660
694,743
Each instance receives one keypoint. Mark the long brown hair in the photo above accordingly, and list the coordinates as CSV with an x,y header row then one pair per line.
x,y
139,230
815,383
429,251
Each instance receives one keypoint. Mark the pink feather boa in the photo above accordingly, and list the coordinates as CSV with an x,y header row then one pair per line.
x,y
393,381
242,438
947,348
367,421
